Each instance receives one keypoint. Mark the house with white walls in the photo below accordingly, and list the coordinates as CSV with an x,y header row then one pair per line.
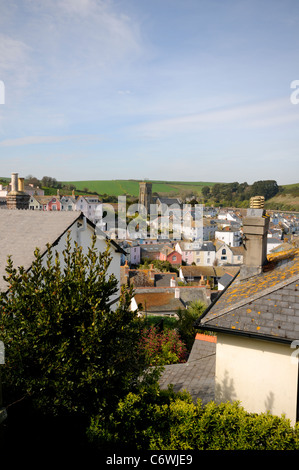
x,y
23,231
229,235
91,207
225,254
256,319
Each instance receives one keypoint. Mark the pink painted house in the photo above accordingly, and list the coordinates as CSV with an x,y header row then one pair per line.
x,y
171,255
54,204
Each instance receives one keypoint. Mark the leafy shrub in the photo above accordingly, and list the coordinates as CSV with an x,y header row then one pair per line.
x,y
164,420
186,320
163,347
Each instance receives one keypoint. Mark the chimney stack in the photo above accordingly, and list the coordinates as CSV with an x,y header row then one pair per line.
x,y
126,266
151,273
14,182
17,198
20,184
255,229
177,293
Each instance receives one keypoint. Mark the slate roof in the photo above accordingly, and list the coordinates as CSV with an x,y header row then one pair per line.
x,y
207,246
197,375
158,302
213,271
226,279
22,231
141,277
265,306
162,299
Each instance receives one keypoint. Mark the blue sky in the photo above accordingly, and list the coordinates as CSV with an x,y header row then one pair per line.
x,y
186,90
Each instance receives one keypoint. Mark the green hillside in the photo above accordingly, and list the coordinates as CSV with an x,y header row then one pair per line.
x,y
131,187
287,198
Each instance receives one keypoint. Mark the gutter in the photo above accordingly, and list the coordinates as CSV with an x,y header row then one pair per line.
x,y
246,334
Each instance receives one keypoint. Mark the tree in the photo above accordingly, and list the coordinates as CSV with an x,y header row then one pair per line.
x,y
64,346
49,182
267,188
30,179
186,320
205,191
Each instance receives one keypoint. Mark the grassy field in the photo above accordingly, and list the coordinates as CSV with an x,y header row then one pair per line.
x,y
131,187
286,200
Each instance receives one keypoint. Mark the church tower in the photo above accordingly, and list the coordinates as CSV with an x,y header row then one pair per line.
x,y
145,195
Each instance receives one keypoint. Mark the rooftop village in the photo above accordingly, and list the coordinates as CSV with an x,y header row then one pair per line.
x,y
242,263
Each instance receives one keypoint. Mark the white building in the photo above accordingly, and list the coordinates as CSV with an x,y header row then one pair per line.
x,y
24,231
91,207
231,236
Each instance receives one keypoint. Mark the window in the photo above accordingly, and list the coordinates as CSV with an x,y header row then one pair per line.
x,y
174,258
224,251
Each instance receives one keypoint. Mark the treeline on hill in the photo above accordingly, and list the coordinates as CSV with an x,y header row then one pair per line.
x,y
50,183
223,194
239,194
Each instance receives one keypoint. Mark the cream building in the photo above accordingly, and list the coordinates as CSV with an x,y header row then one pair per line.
x,y
256,318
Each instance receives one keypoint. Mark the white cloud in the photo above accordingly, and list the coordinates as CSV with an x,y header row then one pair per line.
x,y
247,116
33,140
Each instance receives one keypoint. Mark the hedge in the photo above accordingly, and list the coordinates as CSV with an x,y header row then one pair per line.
x,y
171,421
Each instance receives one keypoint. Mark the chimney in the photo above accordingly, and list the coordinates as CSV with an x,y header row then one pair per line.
x,y
17,198
126,266
151,273
255,229
14,182
177,293
21,184
172,282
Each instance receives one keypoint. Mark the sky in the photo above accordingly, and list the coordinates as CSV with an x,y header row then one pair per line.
x,y
177,90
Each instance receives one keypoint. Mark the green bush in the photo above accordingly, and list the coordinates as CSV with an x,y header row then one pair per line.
x,y
186,320
164,420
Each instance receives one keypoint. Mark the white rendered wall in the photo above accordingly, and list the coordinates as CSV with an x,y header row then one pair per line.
x,y
262,375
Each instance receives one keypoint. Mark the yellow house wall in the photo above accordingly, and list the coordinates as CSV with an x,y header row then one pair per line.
x,y
262,375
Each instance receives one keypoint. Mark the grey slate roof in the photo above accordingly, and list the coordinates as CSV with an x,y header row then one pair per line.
x,y
22,231
265,306
197,375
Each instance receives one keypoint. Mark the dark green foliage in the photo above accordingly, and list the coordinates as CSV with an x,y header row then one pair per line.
x,y
186,320
65,348
155,420
268,188
239,194
163,266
